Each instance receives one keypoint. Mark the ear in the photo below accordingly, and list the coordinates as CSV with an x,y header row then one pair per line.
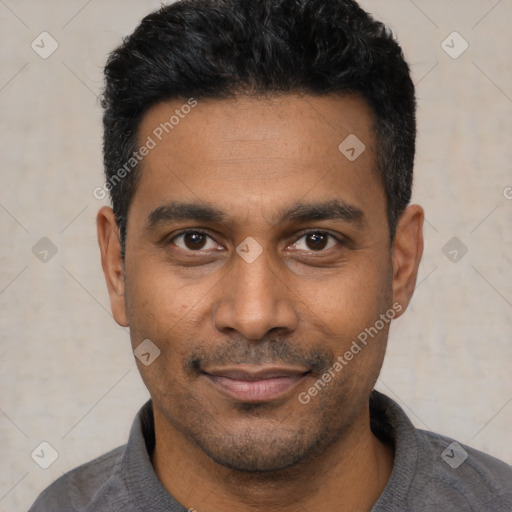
x,y
112,263
407,252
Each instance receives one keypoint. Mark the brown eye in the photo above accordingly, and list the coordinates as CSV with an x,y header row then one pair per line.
x,y
193,241
315,241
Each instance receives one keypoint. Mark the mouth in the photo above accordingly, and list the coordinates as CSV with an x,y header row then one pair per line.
x,y
255,383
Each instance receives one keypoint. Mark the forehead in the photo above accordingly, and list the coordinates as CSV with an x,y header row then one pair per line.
x,y
250,124
251,151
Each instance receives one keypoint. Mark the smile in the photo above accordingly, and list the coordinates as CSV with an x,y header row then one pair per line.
x,y
248,383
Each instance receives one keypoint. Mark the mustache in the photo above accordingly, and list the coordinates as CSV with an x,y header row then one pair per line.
x,y
271,351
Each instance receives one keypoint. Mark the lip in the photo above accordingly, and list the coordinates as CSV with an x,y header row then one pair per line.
x,y
252,384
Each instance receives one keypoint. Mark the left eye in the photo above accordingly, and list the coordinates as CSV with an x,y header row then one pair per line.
x,y
316,241
194,241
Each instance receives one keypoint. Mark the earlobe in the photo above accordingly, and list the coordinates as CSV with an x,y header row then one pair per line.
x,y
407,252
112,263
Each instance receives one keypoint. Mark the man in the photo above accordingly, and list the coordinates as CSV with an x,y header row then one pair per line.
x,y
259,157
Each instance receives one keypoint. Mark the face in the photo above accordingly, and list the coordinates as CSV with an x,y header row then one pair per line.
x,y
257,254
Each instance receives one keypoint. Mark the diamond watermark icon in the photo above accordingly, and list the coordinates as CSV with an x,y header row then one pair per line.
x,y
454,45
454,250
146,352
44,250
454,455
249,249
352,147
44,455
44,45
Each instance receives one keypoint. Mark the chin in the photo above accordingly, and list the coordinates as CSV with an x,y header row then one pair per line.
x,y
254,459
275,449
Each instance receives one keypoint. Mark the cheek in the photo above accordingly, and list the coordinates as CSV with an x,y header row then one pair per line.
x,y
160,312
350,299
158,303
172,315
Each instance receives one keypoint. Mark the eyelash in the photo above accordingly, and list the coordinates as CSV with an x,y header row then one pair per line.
x,y
302,235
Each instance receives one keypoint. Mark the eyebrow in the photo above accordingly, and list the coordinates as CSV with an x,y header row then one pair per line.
x,y
178,211
329,210
298,212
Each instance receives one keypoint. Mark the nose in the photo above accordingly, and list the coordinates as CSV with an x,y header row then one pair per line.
x,y
254,301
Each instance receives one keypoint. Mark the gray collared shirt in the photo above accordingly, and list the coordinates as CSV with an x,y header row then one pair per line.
x,y
431,473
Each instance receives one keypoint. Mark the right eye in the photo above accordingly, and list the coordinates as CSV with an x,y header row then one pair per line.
x,y
194,241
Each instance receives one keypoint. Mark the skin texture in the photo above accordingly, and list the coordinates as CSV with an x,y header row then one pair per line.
x,y
300,304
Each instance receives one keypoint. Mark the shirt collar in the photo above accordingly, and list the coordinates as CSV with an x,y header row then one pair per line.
x,y
388,422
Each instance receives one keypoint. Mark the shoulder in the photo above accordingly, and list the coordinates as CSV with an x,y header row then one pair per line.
x,y
432,472
75,490
475,479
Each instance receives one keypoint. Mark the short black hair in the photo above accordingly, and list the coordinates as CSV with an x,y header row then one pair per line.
x,y
220,48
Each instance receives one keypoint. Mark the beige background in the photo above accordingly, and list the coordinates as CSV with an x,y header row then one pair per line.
x,y
67,373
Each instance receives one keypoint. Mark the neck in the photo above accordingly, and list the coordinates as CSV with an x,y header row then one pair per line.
x,y
349,476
